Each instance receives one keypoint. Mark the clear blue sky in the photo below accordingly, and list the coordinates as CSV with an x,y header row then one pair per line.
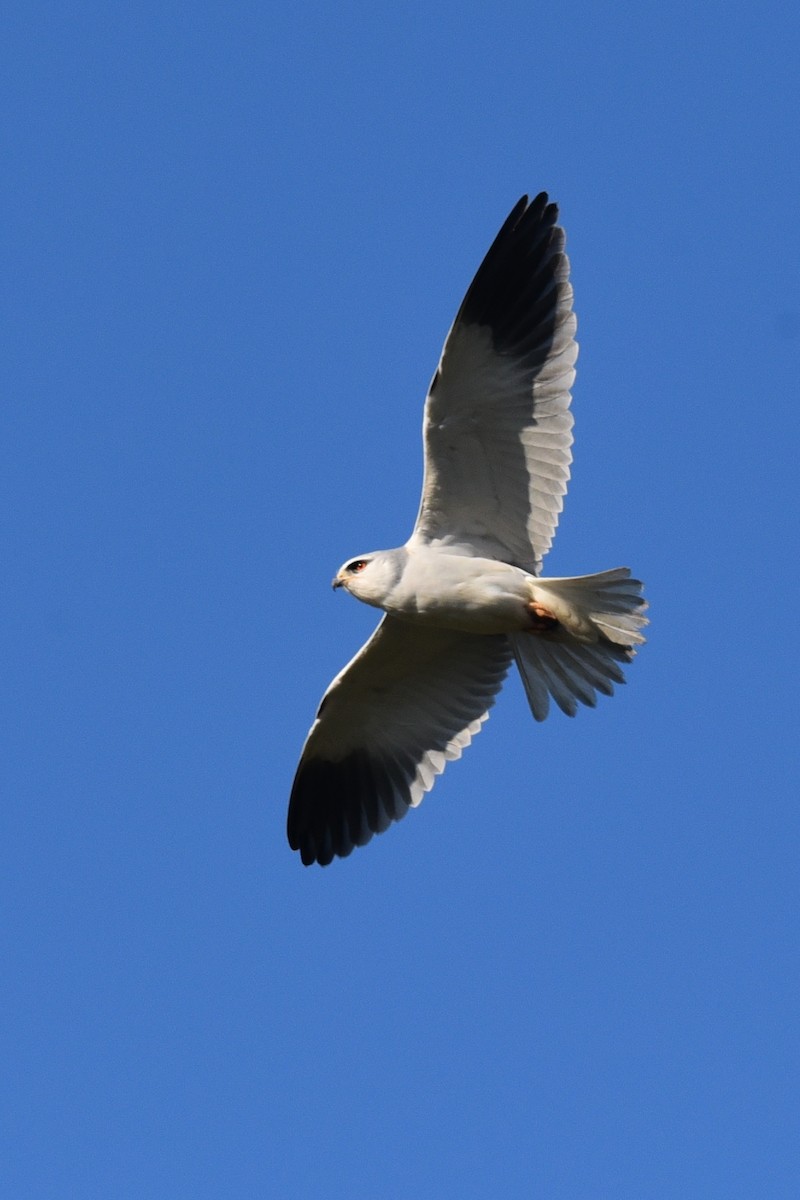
x,y
234,241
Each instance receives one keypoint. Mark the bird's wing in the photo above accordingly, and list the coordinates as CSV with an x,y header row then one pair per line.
x,y
497,424
407,704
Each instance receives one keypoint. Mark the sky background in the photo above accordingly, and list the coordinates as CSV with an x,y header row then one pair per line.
x,y
234,239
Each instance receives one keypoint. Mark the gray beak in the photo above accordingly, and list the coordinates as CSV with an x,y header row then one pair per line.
x,y
337,583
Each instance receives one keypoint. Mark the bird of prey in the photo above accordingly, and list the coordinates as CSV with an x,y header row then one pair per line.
x,y
464,597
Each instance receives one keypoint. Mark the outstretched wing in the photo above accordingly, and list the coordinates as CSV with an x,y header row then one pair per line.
x,y
407,704
497,424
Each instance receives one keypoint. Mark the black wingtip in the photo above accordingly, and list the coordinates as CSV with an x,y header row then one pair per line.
x,y
336,806
517,272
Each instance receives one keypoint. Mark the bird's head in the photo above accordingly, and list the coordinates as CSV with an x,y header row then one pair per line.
x,y
371,577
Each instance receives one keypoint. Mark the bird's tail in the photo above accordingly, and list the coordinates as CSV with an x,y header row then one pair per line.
x,y
590,624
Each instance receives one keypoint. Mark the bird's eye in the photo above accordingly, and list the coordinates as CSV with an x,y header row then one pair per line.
x,y
354,567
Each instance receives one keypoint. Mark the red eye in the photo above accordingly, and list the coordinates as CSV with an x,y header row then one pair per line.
x,y
354,567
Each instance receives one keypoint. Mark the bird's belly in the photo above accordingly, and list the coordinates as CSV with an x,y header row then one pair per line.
x,y
474,595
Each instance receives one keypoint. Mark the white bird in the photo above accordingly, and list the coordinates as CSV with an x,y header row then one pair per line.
x,y
463,597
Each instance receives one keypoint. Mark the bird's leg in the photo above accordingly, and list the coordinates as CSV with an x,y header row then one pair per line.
x,y
542,620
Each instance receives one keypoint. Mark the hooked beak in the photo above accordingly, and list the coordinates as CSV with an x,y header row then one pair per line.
x,y
337,582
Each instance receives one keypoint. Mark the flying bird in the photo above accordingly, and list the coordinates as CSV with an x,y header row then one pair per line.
x,y
464,597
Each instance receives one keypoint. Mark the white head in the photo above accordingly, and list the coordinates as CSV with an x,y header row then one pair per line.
x,y
372,576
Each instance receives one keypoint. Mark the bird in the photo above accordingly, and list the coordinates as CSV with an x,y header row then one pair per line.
x,y
464,598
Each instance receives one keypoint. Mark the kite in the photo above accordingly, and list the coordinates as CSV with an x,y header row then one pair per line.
x,y
463,599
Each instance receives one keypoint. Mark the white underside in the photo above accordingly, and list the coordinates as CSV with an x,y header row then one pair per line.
x,y
453,591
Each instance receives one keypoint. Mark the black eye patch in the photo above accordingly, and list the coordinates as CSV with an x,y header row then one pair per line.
x,y
354,567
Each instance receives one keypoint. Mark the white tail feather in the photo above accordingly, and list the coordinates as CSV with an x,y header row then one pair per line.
x,y
599,619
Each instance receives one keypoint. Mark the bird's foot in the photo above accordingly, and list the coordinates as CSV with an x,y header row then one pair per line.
x,y
542,620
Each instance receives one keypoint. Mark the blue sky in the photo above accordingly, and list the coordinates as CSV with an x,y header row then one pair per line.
x,y
234,241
